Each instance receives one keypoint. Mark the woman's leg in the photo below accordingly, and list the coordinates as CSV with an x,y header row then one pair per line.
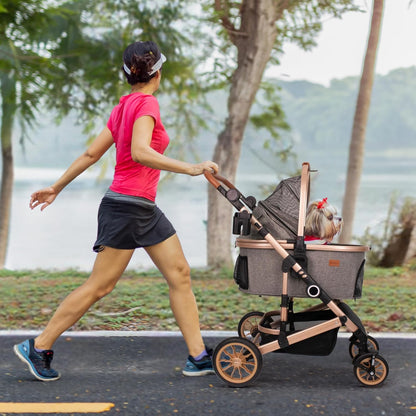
x,y
108,267
170,260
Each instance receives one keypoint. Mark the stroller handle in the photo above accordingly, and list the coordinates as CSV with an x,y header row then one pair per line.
x,y
216,180
234,196
230,192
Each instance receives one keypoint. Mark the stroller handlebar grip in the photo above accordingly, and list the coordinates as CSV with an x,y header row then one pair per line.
x,y
216,180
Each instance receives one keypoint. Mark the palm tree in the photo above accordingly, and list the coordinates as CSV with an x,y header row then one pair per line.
x,y
356,151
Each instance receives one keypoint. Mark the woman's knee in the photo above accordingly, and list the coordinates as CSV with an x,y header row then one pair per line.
x,y
179,277
97,289
104,291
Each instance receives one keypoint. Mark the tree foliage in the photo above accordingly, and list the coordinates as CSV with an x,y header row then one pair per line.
x,y
254,34
31,34
66,57
62,55
29,54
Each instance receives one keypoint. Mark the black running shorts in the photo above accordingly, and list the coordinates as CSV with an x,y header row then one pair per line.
x,y
129,222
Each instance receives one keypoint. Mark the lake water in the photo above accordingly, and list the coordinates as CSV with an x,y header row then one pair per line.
x,y
62,235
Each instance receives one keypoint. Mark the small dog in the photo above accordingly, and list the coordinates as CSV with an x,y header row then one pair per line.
x,y
322,224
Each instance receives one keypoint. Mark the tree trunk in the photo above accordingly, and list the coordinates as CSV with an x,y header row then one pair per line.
x,y
356,151
8,95
254,44
401,246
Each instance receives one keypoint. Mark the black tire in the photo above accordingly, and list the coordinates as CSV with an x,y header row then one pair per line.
x,y
372,346
248,326
371,369
237,361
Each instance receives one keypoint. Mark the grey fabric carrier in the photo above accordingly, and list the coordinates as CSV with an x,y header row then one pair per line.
x,y
338,270
279,213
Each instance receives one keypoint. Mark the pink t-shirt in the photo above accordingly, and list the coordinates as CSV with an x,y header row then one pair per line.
x,y
130,177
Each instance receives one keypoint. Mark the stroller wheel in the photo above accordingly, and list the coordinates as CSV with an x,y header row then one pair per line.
x,y
237,361
248,327
372,346
371,369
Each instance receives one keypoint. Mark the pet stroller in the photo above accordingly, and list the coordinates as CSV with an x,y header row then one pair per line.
x,y
275,261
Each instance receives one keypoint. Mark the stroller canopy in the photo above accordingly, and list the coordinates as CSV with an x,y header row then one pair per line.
x,y
279,213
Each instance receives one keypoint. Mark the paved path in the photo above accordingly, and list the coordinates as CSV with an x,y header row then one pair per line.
x,y
141,375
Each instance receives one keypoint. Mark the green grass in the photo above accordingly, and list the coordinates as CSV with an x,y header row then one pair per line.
x,y
140,300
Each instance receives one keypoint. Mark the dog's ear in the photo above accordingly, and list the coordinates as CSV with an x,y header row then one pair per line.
x,y
313,222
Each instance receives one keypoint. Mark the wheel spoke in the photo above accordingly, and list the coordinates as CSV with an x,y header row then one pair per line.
x,y
248,370
237,361
379,369
228,365
371,369
233,373
247,328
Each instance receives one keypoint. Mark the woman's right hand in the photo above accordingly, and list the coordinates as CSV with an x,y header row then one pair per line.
x,y
43,197
200,168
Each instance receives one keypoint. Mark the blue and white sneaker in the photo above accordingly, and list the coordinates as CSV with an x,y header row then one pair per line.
x,y
201,367
39,362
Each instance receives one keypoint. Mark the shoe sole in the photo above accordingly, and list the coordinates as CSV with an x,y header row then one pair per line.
x,y
31,369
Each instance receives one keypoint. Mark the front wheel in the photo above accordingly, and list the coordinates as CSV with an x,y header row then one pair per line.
x,y
371,369
237,361
372,346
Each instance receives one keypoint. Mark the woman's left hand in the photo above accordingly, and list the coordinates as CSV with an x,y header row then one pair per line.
x,y
43,197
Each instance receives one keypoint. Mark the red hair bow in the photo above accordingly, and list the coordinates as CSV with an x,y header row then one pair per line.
x,y
321,204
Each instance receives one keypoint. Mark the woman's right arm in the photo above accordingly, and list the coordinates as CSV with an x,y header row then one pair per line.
x,y
94,152
142,152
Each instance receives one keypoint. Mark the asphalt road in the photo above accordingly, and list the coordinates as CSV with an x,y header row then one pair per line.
x,y
141,375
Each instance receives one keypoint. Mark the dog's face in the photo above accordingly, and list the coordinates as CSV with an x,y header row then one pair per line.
x,y
322,221
334,225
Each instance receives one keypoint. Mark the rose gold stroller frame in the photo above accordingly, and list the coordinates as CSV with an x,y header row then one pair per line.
x,y
238,360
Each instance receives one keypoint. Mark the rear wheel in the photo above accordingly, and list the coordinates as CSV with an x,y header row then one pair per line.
x,y
371,369
248,326
237,361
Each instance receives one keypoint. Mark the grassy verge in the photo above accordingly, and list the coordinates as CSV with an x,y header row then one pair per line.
x,y
140,300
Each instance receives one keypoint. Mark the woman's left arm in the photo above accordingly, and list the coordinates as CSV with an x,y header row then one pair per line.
x,y
143,153
95,151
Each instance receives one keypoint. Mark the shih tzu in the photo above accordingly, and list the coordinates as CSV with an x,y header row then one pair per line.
x,y
322,222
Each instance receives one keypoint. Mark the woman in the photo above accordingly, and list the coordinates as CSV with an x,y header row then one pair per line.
x,y
128,217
